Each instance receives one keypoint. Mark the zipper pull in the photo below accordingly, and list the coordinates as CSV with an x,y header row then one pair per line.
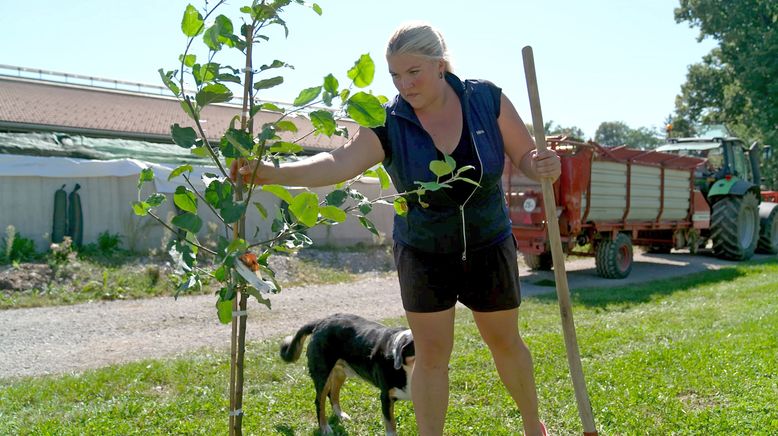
x,y
464,235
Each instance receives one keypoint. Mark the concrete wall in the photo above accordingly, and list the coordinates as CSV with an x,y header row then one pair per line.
x,y
27,203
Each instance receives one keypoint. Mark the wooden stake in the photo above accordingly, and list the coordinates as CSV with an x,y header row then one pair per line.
x,y
557,255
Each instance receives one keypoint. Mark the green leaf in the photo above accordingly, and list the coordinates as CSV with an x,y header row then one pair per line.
x,y
167,79
400,206
433,186
218,193
270,107
331,84
470,181
305,207
185,199
286,125
336,197
240,139
279,191
316,8
193,112
268,83
333,213
307,95
224,310
155,199
188,60
383,177
366,223
365,207
363,71
183,136
261,209
323,122
366,110
450,161
141,208
231,212
146,175
440,168
275,64
186,168
192,22
188,221
205,73
213,93
220,33
285,147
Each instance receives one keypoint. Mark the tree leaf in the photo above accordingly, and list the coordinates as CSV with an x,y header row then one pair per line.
x,y
316,8
383,177
275,64
400,206
188,60
218,193
270,107
333,213
205,73
307,95
366,110
363,71
155,199
331,84
268,83
188,221
192,22
146,175
336,197
366,223
279,191
323,122
286,126
285,147
261,209
185,199
440,168
141,208
432,186
305,208
183,136
213,93
232,212
186,168
224,310
167,79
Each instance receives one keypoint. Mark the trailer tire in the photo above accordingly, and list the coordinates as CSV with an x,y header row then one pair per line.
x,y
539,262
768,234
735,226
613,258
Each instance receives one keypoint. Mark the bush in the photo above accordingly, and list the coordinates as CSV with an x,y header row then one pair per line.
x,y
16,248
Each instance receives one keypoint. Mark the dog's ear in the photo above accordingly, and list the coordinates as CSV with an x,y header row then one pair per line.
x,y
403,347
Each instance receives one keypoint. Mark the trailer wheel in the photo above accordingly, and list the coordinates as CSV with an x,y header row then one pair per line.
x,y
735,226
768,234
613,258
539,262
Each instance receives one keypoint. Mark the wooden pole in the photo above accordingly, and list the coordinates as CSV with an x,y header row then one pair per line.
x,y
557,255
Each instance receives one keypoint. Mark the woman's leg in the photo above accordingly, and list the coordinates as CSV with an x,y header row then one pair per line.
x,y
500,331
433,338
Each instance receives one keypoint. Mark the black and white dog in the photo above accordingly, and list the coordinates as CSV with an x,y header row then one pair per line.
x,y
344,345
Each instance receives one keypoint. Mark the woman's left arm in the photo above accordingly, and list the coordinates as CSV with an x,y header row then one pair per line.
x,y
520,147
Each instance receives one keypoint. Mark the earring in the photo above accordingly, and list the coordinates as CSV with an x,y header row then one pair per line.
x,y
440,75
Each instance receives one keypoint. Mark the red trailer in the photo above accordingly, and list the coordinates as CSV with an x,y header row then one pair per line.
x,y
609,199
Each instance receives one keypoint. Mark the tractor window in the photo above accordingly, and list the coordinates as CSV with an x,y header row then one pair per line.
x,y
740,166
715,159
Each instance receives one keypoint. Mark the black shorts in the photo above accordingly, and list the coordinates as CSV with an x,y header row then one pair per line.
x,y
487,281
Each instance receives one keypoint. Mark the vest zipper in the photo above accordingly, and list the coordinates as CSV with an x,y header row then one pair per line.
x,y
480,176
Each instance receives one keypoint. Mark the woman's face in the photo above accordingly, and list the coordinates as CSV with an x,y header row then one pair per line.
x,y
416,78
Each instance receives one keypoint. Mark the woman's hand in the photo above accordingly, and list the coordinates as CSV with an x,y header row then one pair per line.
x,y
243,168
546,164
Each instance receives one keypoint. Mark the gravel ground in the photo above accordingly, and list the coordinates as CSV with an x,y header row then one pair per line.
x,y
71,339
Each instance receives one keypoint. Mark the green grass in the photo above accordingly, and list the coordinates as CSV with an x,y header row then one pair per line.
x,y
688,356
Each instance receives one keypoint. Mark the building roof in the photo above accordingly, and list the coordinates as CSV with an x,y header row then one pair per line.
x,y
36,105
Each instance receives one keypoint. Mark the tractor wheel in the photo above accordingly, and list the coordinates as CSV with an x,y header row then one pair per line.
x,y
539,262
735,226
613,258
768,234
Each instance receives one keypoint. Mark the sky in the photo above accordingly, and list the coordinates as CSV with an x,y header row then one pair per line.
x,y
596,60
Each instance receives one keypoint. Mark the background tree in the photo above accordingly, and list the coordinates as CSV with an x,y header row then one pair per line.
x,y
612,133
573,132
737,82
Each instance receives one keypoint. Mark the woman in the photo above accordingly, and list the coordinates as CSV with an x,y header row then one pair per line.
x,y
459,245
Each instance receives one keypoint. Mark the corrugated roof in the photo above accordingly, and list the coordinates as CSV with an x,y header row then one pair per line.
x,y
30,105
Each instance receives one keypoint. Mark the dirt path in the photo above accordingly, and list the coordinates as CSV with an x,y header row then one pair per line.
x,y
70,339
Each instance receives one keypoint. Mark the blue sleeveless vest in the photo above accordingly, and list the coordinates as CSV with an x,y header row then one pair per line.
x,y
446,226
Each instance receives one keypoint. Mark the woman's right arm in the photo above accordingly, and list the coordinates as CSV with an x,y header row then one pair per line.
x,y
358,154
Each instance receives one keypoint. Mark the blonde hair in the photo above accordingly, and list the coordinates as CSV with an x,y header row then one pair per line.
x,y
419,39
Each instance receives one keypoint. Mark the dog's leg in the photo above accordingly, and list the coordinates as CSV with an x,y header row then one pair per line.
x,y
337,377
387,409
322,392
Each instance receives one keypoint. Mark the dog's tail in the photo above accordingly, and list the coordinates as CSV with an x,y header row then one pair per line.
x,y
292,346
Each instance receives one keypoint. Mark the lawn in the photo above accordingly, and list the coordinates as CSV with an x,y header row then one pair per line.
x,y
693,356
